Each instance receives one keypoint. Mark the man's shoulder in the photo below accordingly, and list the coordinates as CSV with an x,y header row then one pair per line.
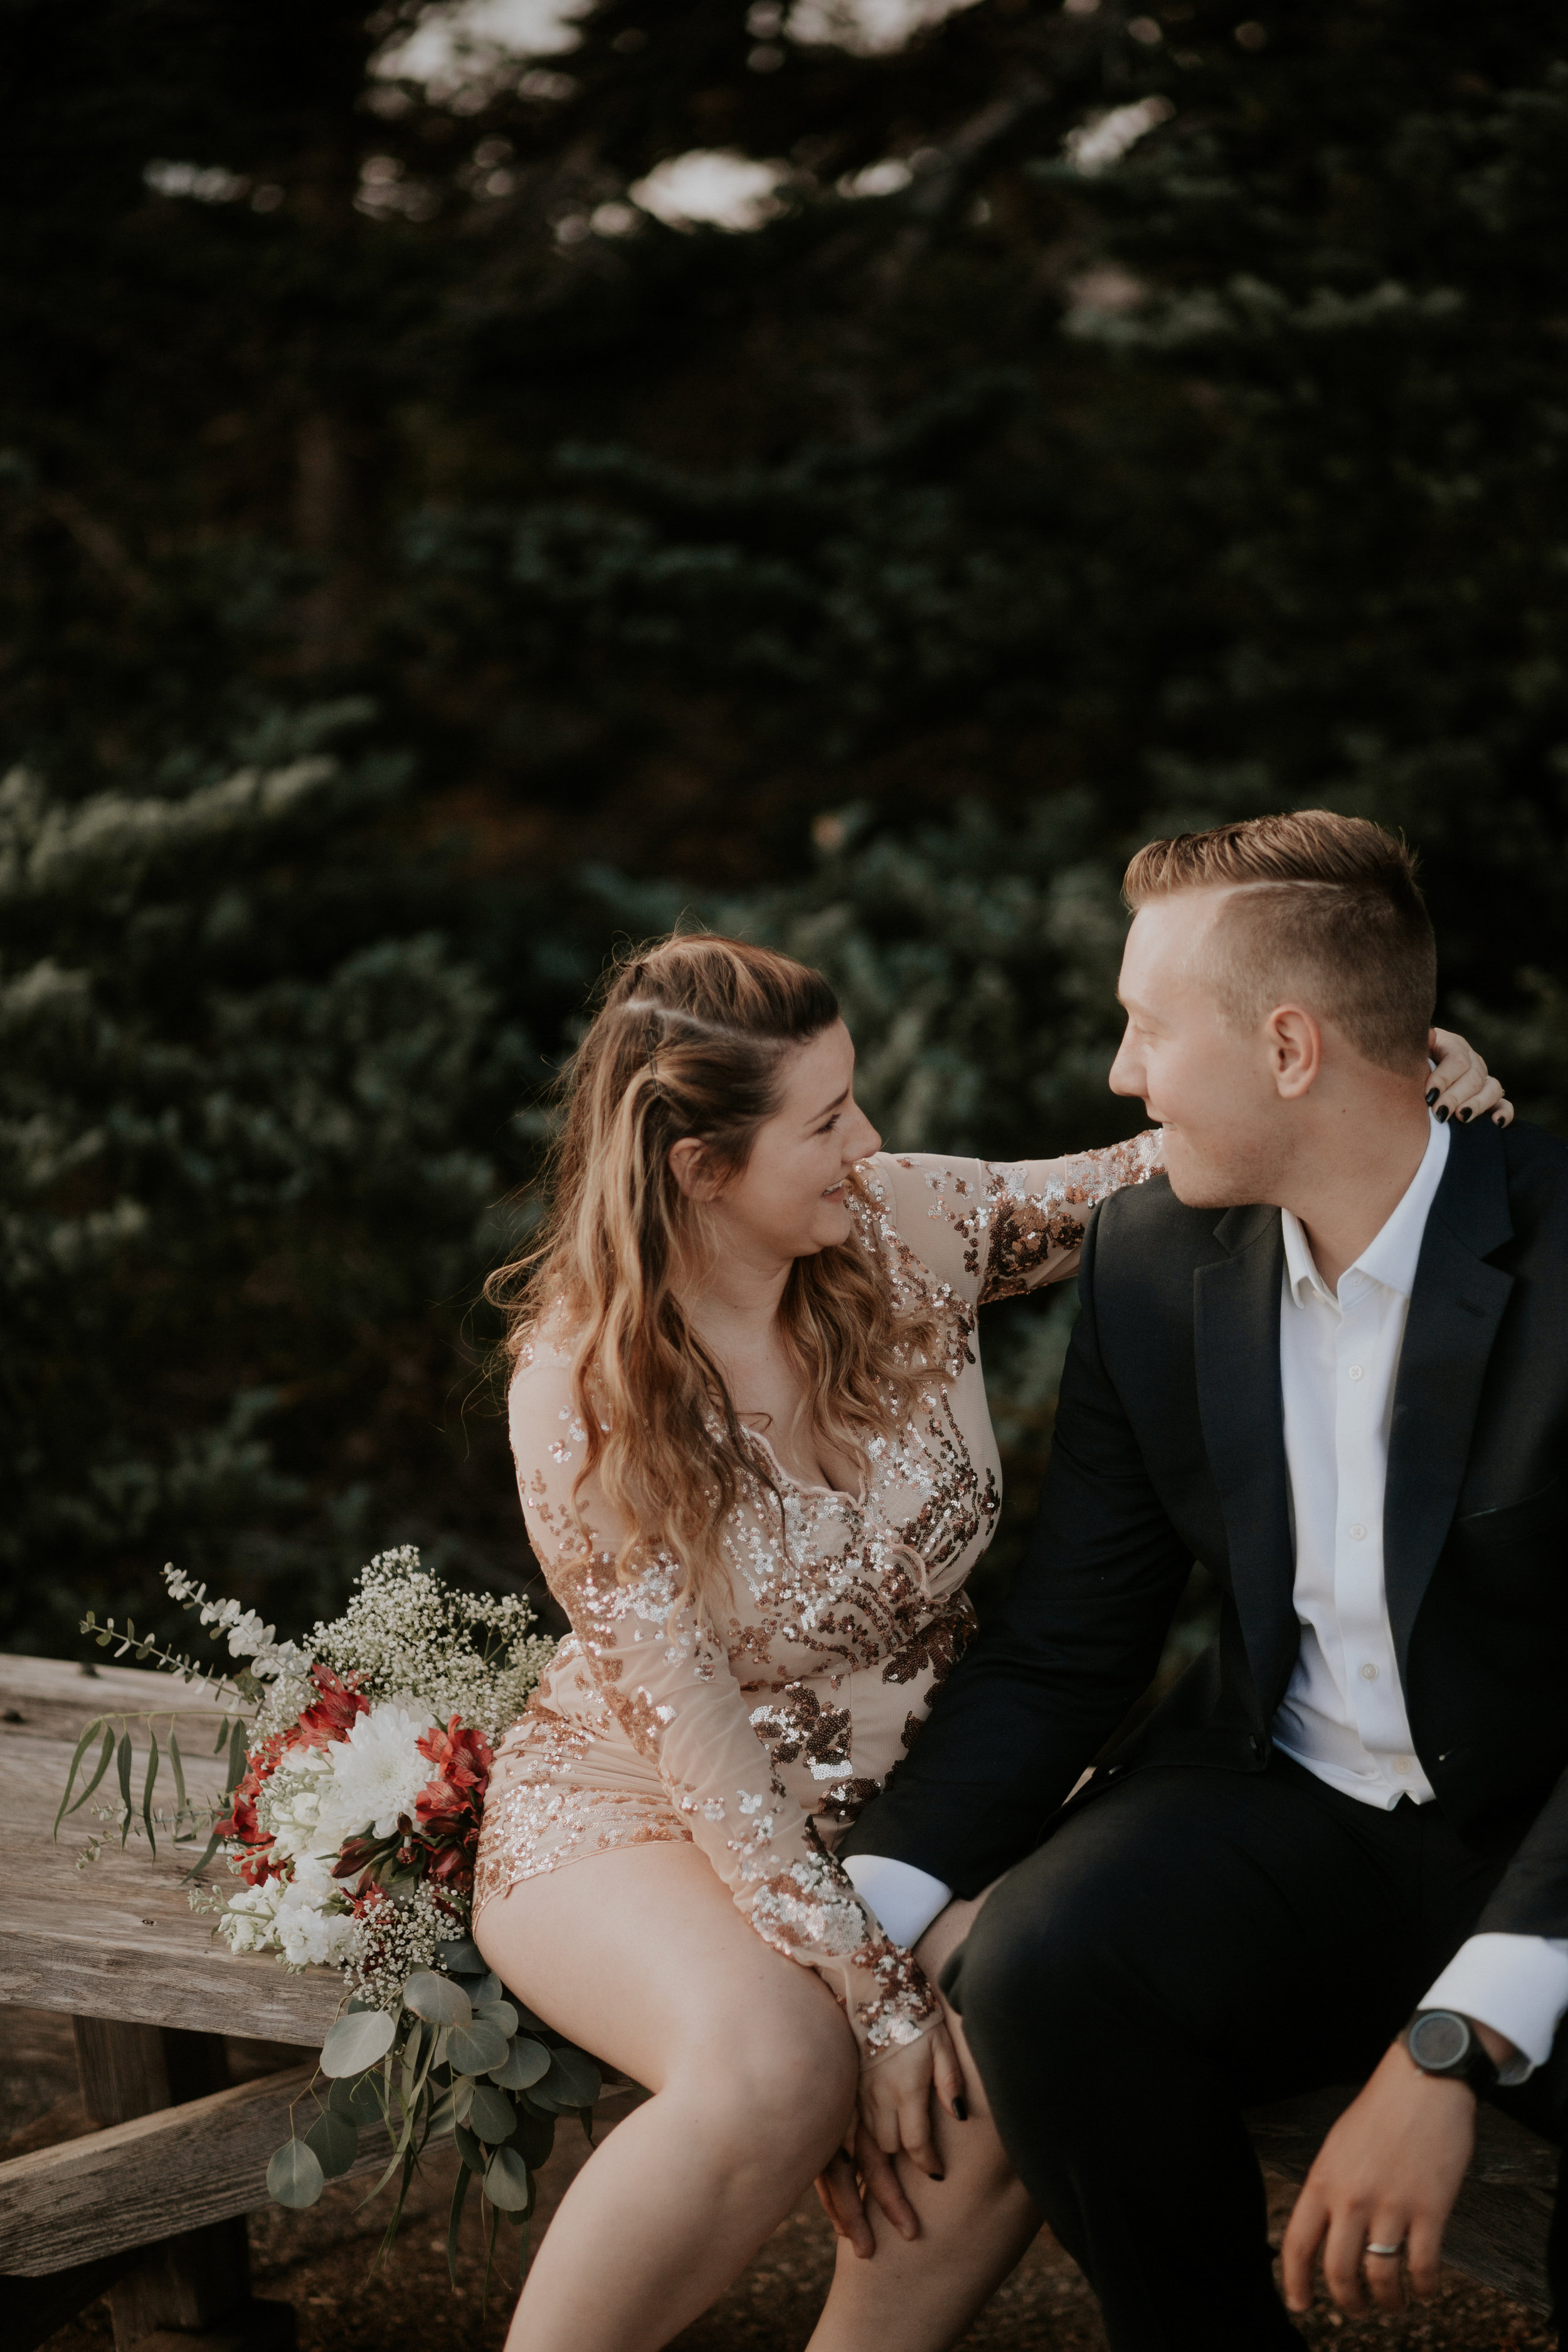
x,y
1535,1167
1144,1229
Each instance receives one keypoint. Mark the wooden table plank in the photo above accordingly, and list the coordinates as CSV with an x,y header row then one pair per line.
x,y
117,1938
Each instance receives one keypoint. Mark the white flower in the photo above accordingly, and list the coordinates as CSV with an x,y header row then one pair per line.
x,y
306,1930
377,1773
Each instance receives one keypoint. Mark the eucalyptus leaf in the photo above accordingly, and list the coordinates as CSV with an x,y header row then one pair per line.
x,y
357,2041
460,1956
294,2176
535,2137
357,2097
527,2061
437,1998
507,2182
471,2149
461,2095
475,2048
335,2142
491,2117
573,2079
498,2012
487,1987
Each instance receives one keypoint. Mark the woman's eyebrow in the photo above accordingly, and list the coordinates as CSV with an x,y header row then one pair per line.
x,y
832,1105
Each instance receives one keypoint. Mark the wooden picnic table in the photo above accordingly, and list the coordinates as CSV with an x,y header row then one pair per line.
x,y
149,2205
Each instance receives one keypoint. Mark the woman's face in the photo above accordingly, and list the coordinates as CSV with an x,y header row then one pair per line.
x,y
788,1201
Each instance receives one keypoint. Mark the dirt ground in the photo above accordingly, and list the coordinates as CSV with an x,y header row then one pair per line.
x,y
322,2260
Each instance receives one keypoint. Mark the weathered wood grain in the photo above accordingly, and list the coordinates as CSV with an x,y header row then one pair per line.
x,y
117,1938
1497,2231
153,2177
52,1697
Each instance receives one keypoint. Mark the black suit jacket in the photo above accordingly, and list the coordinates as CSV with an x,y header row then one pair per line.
x,y
1170,1448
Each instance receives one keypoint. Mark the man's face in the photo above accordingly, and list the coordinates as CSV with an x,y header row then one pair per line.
x,y
1208,1081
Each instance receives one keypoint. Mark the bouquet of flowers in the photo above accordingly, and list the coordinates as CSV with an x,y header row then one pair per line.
x,y
357,1771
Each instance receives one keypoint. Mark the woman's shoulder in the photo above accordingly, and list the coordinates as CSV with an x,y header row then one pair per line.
x,y
542,1400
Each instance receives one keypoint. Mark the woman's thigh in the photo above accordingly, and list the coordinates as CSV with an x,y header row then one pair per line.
x,y
641,1956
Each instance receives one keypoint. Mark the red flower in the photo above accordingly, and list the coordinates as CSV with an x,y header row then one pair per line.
x,y
332,1717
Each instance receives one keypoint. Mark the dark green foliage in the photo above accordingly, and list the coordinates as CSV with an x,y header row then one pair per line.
x,y
1019,511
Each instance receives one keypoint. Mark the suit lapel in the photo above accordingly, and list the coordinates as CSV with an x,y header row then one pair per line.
x,y
1455,1309
1236,1313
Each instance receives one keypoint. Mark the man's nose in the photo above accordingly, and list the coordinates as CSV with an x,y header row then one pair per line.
x,y
1127,1073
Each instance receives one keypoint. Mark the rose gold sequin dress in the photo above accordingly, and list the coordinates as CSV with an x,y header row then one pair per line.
x,y
760,1740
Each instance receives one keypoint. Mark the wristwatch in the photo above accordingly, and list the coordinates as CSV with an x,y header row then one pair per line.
x,y
1441,2041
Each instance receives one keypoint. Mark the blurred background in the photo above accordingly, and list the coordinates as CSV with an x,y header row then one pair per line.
x,y
479,482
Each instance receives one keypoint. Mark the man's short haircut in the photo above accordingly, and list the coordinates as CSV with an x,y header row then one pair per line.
x,y
1326,909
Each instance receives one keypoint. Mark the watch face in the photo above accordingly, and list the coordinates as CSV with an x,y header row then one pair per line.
x,y
1439,2041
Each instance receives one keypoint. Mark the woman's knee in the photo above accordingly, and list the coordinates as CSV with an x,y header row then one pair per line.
x,y
790,2076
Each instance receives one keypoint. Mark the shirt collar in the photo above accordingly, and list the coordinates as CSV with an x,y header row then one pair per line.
x,y
1390,1258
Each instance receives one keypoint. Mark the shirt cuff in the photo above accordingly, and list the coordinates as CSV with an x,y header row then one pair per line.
x,y
905,1900
1516,1984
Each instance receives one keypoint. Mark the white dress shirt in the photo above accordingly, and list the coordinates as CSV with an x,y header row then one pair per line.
x,y
1344,1715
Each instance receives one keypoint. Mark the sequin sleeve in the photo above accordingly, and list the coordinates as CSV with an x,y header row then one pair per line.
x,y
669,1684
989,1229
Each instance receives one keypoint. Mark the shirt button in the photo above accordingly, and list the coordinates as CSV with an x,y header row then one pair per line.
x,y
1355,1531
1369,1673
1355,1372
1402,1768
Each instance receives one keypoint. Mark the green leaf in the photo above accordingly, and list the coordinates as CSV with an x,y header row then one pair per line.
x,y
454,2219
236,1758
147,1789
475,2048
222,1735
294,2176
470,2148
196,1868
573,2078
356,2097
507,2182
81,1748
357,2042
460,1956
437,1999
526,2062
178,1763
335,2142
492,2117
122,1766
535,2137
498,2012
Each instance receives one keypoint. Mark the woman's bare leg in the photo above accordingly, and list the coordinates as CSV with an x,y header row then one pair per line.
x,y
642,1958
975,2223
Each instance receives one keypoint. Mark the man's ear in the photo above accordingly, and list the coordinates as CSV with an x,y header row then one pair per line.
x,y
1295,1050
692,1170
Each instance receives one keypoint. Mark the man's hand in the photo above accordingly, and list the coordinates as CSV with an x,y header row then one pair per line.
x,y
1387,2175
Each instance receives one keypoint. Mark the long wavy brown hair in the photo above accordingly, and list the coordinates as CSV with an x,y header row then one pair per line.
x,y
691,1038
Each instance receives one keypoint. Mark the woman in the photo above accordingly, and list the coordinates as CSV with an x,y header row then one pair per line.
x,y
757,1466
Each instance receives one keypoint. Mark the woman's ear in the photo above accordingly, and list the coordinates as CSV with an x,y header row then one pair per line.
x,y
690,1167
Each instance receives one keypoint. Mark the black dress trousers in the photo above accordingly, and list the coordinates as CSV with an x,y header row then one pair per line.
x,y
1189,1943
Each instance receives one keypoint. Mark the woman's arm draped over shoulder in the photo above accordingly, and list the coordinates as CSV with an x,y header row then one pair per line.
x,y
993,1228
670,1686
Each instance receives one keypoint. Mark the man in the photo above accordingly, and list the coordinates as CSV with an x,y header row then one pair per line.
x,y
1329,1358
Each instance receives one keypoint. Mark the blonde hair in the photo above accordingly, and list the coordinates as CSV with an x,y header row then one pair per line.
x,y
1357,942
691,1039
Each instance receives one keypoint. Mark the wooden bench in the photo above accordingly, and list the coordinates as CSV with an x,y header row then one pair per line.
x,y
149,2207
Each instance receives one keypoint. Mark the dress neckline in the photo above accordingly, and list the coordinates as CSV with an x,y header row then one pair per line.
x,y
808,1486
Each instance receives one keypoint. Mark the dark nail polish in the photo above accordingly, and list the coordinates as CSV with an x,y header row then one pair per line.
x,y
961,2109
1466,1116
1431,1096
1441,1113
936,2176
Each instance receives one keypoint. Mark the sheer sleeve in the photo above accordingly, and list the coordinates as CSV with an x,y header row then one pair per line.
x,y
669,1684
990,1229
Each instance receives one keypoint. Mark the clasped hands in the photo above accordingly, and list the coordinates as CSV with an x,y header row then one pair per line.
x,y
893,2118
